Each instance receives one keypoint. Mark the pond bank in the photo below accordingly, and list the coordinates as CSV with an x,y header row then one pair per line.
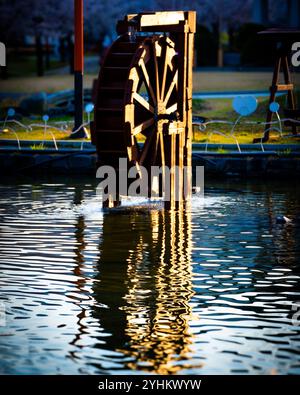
x,y
272,160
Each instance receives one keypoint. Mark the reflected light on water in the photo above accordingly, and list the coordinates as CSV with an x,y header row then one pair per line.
x,y
152,275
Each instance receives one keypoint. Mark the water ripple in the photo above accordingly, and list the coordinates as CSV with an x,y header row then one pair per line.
x,y
209,290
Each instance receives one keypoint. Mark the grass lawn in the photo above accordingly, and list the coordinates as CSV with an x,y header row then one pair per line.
x,y
216,81
214,109
19,65
34,130
221,109
36,134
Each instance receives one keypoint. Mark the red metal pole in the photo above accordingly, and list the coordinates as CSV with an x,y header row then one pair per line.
x,y
79,46
78,68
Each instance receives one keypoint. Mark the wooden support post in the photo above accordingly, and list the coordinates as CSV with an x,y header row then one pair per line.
x,y
78,69
283,39
189,121
281,64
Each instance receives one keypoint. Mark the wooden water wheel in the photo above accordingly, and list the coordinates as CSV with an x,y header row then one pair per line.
x,y
143,101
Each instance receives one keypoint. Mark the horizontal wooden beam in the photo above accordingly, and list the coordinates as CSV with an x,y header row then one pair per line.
x,y
171,21
161,18
282,87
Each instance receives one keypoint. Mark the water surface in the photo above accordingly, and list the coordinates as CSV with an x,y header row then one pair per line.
x,y
210,290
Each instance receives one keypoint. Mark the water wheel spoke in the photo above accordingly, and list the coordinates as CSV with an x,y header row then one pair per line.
x,y
154,155
148,83
156,71
162,150
142,126
143,102
135,151
165,67
145,149
171,87
170,47
163,160
170,64
172,108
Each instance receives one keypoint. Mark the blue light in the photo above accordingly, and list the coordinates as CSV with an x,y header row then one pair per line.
x,y
244,105
274,106
89,108
11,112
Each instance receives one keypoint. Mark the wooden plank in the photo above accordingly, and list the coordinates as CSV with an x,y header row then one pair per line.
x,y
179,163
288,81
146,147
162,152
147,82
167,145
143,102
282,87
161,19
171,87
182,72
164,74
173,183
143,126
156,72
166,21
172,108
189,116
191,17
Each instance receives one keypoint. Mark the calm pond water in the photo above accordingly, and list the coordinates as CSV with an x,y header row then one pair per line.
x,y
212,290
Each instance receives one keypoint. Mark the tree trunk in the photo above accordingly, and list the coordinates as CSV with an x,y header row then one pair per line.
x,y
62,49
71,52
39,56
47,54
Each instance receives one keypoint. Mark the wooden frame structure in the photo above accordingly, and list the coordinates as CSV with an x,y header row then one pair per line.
x,y
143,108
283,39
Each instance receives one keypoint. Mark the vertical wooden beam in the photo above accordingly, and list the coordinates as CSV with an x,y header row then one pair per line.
x,y
182,72
181,144
173,185
170,150
288,80
189,116
182,92
78,68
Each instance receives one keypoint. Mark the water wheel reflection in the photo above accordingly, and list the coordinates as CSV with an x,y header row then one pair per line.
x,y
145,281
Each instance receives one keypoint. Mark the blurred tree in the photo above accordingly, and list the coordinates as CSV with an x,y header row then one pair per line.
x,y
206,47
254,51
21,18
222,15
16,16
101,16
